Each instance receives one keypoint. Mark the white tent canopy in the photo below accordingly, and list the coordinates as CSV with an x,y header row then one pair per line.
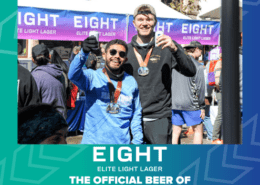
x,y
104,6
213,10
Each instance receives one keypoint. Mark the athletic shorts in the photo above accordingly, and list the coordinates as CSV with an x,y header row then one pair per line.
x,y
180,117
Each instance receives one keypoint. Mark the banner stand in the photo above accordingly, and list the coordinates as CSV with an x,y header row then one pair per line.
x,y
127,25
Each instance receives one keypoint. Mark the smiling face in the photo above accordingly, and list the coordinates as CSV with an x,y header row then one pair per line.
x,y
144,23
113,59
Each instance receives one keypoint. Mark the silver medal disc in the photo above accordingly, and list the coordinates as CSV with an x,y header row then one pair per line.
x,y
143,71
113,108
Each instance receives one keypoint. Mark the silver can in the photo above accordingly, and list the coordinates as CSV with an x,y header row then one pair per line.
x,y
95,34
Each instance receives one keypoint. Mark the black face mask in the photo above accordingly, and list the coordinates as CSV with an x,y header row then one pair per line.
x,y
115,74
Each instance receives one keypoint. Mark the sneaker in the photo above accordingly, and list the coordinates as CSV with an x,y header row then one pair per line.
x,y
190,131
208,139
217,142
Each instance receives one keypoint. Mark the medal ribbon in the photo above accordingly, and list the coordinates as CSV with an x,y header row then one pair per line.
x,y
117,92
140,59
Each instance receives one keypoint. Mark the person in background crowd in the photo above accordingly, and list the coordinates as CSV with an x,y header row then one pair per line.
x,y
241,78
71,103
103,47
41,124
113,109
188,94
206,55
217,136
208,100
56,59
27,88
49,78
74,52
151,67
240,86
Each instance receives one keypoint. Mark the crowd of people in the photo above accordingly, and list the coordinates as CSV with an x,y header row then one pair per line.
x,y
137,93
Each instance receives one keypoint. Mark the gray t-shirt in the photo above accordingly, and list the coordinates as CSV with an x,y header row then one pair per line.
x,y
188,93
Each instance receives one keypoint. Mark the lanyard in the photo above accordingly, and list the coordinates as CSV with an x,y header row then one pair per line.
x,y
140,59
111,88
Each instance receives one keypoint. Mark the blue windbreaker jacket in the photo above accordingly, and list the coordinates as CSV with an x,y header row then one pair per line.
x,y
100,126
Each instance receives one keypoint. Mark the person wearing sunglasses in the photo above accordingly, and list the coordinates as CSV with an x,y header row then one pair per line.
x,y
150,62
113,108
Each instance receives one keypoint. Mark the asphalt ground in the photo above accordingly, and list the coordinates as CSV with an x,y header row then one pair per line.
x,y
185,139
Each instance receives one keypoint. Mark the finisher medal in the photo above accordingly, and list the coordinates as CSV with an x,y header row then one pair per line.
x,y
143,71
113,108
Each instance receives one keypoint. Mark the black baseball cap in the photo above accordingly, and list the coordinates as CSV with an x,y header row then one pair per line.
x,y
40,49
194,44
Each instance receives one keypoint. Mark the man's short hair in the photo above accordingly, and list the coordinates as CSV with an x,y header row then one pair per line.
x,y
38,122
190,50
117,41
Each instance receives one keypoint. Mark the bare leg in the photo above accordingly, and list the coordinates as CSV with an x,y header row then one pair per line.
x,y
198,134
176,132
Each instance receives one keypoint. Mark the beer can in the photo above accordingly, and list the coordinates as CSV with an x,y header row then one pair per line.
x,y
157,34
95,34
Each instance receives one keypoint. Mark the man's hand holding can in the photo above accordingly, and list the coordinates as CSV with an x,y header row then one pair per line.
x,y
90,44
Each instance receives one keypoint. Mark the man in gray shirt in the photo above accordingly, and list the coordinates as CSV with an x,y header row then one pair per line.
x,y
188,93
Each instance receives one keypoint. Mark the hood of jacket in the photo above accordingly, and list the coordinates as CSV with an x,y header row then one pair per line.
x,y
137,46
52,69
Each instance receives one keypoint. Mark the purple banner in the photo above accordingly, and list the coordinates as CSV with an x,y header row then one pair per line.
x,y
48,24
184,31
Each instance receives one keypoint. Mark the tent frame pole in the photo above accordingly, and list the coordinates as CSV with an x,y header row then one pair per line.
x,y
127,26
